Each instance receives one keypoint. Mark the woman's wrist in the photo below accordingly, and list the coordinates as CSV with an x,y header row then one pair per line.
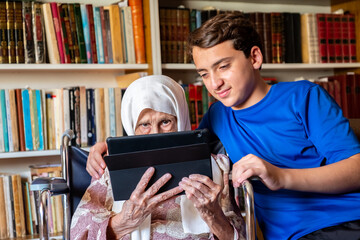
x,y
115,229
219,225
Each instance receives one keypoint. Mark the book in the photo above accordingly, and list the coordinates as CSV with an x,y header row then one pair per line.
x,y
50,121
337,38
4,120
90,109
12,120
106,112
18,30
118,124
62,11
40,119
163,30
321,29
289,38
74,34
66,27
27,205
192,105
9,205
86,31
138,28
345,39
129,34
51,41
38,32
80,32
116,40
18,206
112,118
10,25
352,37
98,35
34,119
3,222
3,34
27,120
108,35
103,34
267,37
2,123
29,49
185,16
99,115
330,44
57,28
90,14
20,121
277,37
83,117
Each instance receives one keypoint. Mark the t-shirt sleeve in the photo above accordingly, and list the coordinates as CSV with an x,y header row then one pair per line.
x,y
326,126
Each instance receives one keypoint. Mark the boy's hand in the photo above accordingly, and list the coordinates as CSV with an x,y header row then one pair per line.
x,y
251,165
95,164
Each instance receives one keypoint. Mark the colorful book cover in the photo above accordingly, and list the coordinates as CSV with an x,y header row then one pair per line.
x,y
57,27
98,35
38,32
90,15
3,34
4,120
108,35
86,29
74,34
40,119
29,51
80,33
10,31
19,35
64,32
90,106
112,112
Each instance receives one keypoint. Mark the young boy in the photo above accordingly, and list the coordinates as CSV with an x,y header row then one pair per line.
x,y
291,135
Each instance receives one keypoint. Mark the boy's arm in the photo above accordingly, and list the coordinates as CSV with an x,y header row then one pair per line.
x,y
339,177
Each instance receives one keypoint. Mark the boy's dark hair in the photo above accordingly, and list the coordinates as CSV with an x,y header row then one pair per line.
x,y
223,27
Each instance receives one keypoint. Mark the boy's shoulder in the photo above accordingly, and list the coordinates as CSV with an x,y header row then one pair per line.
x,y
301,86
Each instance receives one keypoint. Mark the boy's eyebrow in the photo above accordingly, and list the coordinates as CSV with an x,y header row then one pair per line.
x,y
214,64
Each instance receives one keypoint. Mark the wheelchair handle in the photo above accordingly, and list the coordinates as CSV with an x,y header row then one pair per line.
x,y
249,209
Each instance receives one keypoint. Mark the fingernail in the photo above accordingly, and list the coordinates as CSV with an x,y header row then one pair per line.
x,y
102,165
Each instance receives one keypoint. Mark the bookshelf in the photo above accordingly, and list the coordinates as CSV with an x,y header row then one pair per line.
x,y
283,72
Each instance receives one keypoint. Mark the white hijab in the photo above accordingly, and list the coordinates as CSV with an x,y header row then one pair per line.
x,y
159,93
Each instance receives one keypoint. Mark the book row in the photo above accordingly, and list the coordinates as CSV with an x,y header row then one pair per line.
x,y
345,89
34,32
19,206
286,37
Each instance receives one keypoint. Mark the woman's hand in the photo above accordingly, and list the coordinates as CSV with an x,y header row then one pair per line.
x,y
141,204
204,194
95,164
251,165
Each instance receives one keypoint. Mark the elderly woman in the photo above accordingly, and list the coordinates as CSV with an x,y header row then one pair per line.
x,y
156,104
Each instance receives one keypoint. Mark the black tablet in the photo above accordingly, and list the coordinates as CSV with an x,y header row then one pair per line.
x,y
180,154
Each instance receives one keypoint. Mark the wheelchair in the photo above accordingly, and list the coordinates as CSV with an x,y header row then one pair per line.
x,y
75,180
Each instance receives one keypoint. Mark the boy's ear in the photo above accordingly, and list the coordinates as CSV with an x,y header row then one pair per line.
x,y
256,57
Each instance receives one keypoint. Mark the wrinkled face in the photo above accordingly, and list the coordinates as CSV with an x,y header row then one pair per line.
x,y
227,74
151,121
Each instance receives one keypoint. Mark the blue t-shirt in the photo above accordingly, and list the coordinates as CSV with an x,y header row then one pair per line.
x,y
296,125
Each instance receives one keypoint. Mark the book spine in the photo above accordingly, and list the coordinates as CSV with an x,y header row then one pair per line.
x,y
3,224
50,121
3,34
33,117
345,39
118,96
116,41
192,105
9,206
90,15
80,32
4,118
85,25
90,106
72,115
138,27
129,34
38,33
163,35
20,120
83,117
64,33
29,50
112,112
66,115
69,34
98,35
57,27
276,37
74,34
19,35
10,22
2,142
321,27
330,46
108,35
103,35
352,37
40,118
77,116
185,31
27,120
337,38
51,42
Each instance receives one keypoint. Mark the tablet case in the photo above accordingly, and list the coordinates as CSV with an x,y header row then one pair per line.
x,y
175,156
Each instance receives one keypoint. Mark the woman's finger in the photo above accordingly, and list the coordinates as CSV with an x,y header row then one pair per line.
x,y
157,185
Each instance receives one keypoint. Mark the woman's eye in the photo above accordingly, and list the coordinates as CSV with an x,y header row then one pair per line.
x,y
166,122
